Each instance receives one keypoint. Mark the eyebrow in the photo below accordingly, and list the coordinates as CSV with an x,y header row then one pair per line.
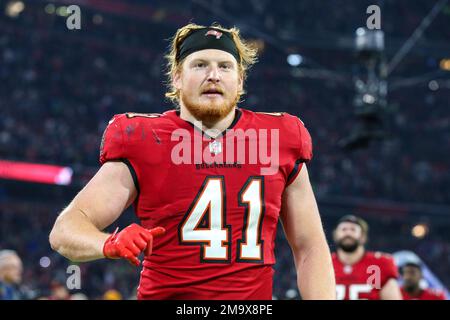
x,y
207,61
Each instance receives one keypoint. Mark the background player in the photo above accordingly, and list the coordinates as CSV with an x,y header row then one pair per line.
x,y
361,274
411,290
221,221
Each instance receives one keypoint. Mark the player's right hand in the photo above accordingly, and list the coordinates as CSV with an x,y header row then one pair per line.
x,y
130,242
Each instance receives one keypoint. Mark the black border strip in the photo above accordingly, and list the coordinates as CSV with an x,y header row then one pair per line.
x,y
225,309
294,171
133,173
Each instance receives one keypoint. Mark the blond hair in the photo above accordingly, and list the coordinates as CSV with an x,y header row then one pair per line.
x,y
247,53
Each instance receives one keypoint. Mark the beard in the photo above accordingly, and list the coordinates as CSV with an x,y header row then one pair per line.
x,y
410,286
348,246
211,111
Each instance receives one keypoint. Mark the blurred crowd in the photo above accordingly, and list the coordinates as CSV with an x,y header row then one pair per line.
x,y
59,88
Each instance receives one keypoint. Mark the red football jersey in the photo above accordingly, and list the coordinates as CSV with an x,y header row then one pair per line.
x,y
218,205
425,294
365,278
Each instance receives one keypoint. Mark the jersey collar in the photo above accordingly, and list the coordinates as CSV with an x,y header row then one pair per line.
x,y
176,116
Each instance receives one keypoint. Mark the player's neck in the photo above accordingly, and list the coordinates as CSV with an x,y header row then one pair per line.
x,y
350,258
212,129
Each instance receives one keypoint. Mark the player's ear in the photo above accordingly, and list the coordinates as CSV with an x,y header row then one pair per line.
x,y
364,239
240,82
176,79
334,235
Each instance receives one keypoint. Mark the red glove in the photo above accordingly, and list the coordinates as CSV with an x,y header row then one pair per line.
x,y
130,242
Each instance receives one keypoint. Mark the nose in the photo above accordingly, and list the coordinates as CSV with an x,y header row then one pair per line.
x,y
213,74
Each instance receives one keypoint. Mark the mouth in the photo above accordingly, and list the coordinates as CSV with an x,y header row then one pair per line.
x,y
212,93
347,240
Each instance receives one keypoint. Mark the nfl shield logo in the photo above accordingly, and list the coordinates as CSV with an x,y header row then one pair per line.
x,y
348,269
215,147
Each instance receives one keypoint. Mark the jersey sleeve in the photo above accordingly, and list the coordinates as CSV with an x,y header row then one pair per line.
x,y
389,271
113,147
131,138
303,151
112,144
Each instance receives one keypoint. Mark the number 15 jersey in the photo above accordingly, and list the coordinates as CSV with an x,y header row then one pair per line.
x,y
218,199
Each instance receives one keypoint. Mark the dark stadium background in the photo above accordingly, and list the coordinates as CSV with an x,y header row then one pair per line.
x,y
60,87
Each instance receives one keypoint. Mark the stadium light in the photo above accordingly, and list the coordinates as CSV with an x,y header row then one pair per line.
x,y
420,230
368,98
14,8
360,32
291,294
445,64
44,262
34,172
433,85
62,11
50,8
294,60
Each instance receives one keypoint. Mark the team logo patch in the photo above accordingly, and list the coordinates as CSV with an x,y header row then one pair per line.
x,y
215,147
348,269
214,33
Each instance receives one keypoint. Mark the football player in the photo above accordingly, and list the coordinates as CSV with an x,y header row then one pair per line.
x,y
204,187
411,290
361,274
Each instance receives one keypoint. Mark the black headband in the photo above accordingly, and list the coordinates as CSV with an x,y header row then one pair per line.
x,y
208,38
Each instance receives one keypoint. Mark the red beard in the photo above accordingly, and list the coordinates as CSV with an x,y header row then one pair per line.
x,y
209,112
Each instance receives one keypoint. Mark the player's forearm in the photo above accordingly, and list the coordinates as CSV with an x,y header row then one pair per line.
x,y
391,291
315,274
75,237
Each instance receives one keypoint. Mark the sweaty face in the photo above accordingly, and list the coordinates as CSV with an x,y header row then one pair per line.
x,y
411,277
209,83
348,236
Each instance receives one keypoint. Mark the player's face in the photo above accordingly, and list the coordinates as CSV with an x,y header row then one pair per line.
x,y
12,270
411,276
348,236
209,83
